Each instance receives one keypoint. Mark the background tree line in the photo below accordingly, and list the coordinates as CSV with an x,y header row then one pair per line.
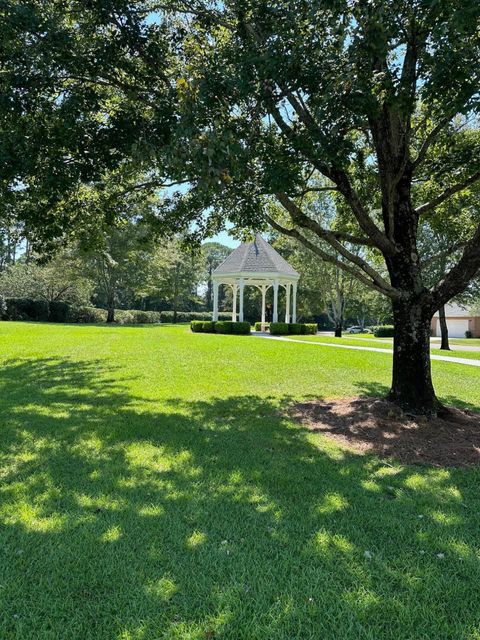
x,y
127,268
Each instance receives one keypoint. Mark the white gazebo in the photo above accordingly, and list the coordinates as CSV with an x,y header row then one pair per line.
x,y
257,264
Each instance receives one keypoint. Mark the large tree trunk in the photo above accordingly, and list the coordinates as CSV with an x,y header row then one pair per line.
x,y
412,387
443,329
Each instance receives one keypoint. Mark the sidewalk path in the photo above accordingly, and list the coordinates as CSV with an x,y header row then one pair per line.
x,y
257,334
434,342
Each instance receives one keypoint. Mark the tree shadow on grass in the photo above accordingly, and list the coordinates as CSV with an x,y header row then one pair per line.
x,y
378,390
375,426
216,518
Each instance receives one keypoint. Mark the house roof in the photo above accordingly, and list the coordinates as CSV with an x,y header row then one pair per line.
x,y
255,258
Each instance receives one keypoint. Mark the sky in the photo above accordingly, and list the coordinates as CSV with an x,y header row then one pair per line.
x,y
225,238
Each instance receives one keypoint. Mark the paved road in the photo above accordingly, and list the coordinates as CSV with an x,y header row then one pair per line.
x,y
473,363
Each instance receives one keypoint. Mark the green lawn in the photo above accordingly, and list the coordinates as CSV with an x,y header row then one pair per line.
x,y
387,343
151,488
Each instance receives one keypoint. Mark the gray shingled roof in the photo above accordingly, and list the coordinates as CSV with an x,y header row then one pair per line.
x,y
255,257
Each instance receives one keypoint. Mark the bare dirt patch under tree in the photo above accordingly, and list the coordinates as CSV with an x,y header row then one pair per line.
x,y
374,425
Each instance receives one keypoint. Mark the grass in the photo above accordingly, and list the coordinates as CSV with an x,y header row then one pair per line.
x,y
151,488
387,343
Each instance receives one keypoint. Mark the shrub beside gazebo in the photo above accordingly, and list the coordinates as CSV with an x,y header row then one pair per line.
x,y
220,326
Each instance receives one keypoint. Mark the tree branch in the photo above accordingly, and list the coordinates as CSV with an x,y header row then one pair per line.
x,y
459,276
342,182
443,254
293,233
429,140
302,111
367,225
428,206
289,133
157,184
298,217
300,194
303,220
116,84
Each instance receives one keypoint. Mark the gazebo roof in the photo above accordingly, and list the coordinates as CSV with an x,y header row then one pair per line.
x,y
255,258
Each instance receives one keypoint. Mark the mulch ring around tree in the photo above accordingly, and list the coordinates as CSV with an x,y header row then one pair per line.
x,y
374,425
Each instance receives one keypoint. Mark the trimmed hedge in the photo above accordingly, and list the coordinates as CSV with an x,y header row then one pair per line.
x,y
220,326
384,331
26,309
59,311
3,307
87,315
147,317
223,326
134,316
279,328
293,328
296,328
189,316
241,328
124,316
56,311
310,328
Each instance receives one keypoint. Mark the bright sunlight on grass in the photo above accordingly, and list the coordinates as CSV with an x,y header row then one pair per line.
x,y
151,488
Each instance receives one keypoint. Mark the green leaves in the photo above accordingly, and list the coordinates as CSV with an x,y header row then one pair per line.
x,y
232,104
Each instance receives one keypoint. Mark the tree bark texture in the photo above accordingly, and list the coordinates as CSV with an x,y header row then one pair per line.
x,y
412,387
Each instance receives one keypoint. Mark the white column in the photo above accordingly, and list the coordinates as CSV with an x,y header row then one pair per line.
x,y
294,303
287,302
234,303
275,301
240,314
264,294
215,301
